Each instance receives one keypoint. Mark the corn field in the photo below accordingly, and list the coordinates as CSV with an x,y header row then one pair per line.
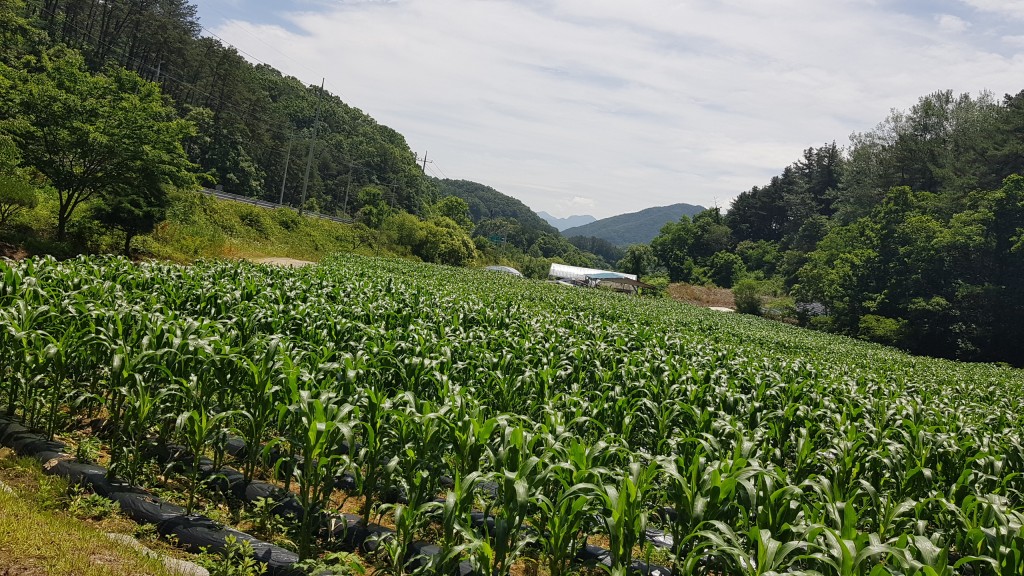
x,y
519,422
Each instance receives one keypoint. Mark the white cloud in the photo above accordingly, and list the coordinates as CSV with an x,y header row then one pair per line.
x,y
1011,8
1016,41
629,105
951,23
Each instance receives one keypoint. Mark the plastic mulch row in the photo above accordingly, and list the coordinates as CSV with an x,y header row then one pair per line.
x,y
191,532
196,532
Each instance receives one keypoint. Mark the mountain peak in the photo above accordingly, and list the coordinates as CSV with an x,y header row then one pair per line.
x,y
567,222
634,228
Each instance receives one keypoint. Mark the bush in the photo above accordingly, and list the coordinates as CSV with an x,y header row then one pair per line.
x,y
287,218
725,269
749,297
91,506
256,219
660,283
890,331
236,559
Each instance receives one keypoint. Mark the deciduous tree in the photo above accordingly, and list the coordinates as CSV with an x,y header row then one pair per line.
x,y
92,135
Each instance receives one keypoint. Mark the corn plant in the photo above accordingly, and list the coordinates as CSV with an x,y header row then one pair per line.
x,y
319,426
371,465
839,454
623,513
515,471
198,429
456,522
755,553
260,397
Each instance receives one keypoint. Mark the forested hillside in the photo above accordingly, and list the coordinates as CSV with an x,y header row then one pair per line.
x,y
253,126
913,235
496,214
633,228
110,112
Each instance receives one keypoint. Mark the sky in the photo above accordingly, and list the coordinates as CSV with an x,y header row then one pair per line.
x,y
609,106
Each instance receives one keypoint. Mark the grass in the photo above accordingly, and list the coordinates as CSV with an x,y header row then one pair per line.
x,y
199,226
40,535
702,295
34,541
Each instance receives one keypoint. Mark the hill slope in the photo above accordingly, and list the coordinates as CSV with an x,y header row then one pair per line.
x,y
486,203
567,222
636,227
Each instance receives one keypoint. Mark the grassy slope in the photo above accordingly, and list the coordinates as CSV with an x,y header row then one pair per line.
x,y
35,540
200,226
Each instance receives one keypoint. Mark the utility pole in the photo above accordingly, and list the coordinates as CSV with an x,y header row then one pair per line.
x,y
348,186
287,161
391,191
312,148
425,162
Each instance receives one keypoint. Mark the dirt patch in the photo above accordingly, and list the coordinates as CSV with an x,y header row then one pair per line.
x,y
706,296
289,262
13,252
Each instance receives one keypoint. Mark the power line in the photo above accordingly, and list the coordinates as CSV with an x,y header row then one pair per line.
x,y
312,148
265,43
433,173
441,170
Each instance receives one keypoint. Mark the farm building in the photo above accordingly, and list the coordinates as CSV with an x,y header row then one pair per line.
x,y
592,278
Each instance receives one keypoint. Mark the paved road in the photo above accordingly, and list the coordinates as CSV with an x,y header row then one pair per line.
x,y
264,204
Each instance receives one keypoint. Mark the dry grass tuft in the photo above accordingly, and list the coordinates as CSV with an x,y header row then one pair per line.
x,y
702,295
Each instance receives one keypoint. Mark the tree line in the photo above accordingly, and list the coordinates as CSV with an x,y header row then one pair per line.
x,y
912,235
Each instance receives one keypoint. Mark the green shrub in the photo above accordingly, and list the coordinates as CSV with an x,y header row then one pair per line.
x,y
91,506
287,219
236,559
881,329
749,297
725,269
256,219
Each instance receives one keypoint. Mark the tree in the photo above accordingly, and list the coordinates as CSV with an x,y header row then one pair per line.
x,y
134,211
374,211
639,259
607,251
91,135
16,33
16,195
725,269
711,234
16,191
672,248
445,242
455,209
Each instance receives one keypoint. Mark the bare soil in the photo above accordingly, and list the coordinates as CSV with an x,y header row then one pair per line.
x,y
11,251
289,262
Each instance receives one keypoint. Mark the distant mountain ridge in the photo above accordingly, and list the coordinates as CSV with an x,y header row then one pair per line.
x,y
636,227
567,222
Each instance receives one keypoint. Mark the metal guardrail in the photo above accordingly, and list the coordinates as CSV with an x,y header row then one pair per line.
x,y
264,204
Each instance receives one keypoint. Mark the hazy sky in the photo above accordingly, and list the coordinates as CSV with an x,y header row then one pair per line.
x,y
611,106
